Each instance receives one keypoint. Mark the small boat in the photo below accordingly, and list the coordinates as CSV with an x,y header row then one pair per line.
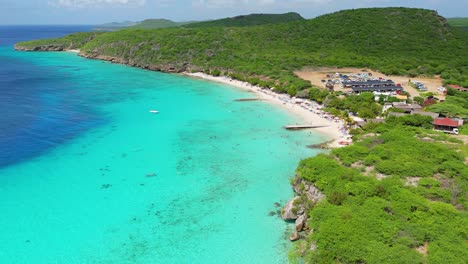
x,y
153,111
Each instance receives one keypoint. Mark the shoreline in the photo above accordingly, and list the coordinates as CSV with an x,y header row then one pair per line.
x,y
308,112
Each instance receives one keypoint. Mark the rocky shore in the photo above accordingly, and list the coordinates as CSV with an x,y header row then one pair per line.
x,y
41,48
169,68
296,209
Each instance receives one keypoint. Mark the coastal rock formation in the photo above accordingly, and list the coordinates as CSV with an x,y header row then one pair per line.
x,y
294,236
300,223
312,192
41,48
176,67
307,195
290,211
303,187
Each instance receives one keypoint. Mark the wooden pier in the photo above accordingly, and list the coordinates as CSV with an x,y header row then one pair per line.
x,y
299,127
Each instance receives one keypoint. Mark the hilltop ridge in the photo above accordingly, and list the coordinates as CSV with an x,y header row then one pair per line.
x,y
158,23
459,22
396,41
248,20
237,21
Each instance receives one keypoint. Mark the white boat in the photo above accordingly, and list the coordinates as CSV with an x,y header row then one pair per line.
x,y
153,111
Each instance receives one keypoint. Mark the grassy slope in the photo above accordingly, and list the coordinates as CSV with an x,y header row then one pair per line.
x,y
248,20
365,220
392,40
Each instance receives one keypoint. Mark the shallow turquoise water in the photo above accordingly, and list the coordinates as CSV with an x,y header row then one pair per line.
x,y
220,166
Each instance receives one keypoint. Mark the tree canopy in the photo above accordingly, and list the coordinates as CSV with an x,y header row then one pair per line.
x,y
391,40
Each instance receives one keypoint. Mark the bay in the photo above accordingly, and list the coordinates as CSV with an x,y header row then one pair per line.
x,y
89,175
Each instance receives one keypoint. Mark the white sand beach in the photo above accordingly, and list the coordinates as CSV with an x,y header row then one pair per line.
x,y
309,112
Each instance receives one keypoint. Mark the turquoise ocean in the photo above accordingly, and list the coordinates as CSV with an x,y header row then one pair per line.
x,y
89,175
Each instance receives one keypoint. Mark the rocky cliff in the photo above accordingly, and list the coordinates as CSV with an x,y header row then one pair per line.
x,y
306,196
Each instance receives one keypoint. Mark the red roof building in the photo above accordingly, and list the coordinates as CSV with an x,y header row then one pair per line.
x,y
457,87
446,122
447,125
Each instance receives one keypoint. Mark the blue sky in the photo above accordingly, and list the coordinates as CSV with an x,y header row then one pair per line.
x,y
102,11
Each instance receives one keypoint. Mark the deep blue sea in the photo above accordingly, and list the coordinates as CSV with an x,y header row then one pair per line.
x,y
34,117
89,175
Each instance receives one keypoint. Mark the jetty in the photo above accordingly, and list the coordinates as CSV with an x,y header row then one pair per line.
x,y
299,127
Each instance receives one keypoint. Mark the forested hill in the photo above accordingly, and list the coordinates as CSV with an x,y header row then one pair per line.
x,y
158,23
391,40
238,21
460,22
248,20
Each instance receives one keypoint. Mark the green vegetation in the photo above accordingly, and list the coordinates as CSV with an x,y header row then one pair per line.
x,y
392,40
411,120
72,41
399,194
248,20
460,22
362,105
388,196
455,105
158,23
238,21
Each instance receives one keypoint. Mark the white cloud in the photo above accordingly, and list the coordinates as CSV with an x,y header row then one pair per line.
x,y
232,3
95,3
319,2
260,3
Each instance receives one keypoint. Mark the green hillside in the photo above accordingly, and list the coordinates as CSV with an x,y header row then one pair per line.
x,y
72,41
115,25
399,195
248,20
460,22
158,23
391,40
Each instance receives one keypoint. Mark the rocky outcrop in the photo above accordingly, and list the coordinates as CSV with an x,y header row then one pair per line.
x,y
289,211
41,48
307,195
294,236
308,189
176,67
169,67
300,223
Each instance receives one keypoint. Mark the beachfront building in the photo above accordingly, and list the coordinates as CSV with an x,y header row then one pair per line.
x,y
379,86
415,112
380,89
447,125
431,114
407,108
368,83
